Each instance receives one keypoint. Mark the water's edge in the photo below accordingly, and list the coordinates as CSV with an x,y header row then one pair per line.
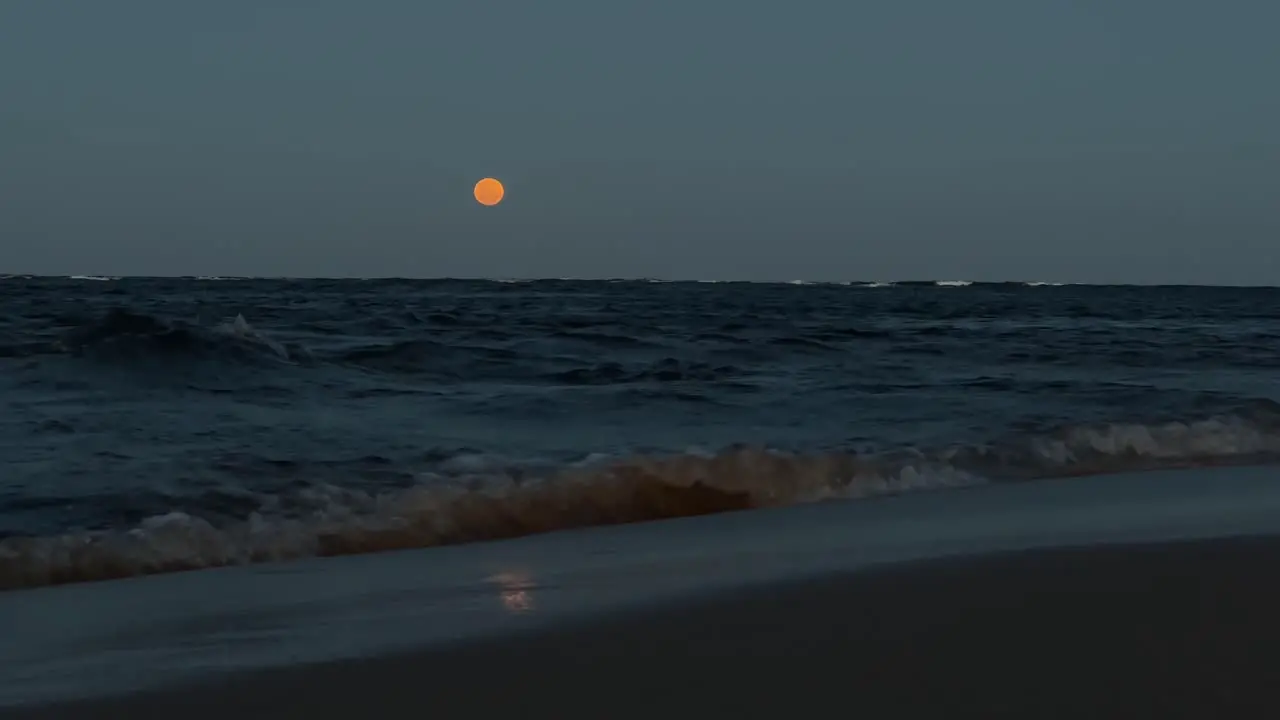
x,y
173,628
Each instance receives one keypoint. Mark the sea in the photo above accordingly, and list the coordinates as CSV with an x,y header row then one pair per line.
x,y
153,425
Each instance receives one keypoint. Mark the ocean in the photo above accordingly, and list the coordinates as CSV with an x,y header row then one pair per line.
x,y
152,425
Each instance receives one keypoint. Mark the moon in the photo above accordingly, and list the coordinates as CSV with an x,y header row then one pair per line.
x,y
489,192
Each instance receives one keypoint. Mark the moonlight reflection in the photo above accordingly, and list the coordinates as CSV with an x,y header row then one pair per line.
x,y
515,590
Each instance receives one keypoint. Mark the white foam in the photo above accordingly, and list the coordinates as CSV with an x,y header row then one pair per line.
x,y
240,329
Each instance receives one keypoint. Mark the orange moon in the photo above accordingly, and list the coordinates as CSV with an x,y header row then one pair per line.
x,y
489,192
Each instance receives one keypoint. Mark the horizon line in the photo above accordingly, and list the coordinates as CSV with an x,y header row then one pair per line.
x,y
619,279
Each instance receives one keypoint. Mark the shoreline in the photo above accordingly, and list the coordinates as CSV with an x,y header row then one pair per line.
x,y
827,600
1170,629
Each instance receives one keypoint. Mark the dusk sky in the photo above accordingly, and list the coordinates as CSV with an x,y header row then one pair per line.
x,y
1060,140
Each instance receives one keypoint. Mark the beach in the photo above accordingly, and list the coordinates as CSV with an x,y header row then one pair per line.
x,y
1165,630
1150,594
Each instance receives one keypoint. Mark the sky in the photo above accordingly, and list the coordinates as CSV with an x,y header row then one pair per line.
x,y
1066,140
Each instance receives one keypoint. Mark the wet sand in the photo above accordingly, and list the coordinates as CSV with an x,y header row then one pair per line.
x,y
1171,629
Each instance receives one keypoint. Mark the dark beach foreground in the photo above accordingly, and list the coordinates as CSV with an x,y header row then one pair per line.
x,y
1143,595
1179,629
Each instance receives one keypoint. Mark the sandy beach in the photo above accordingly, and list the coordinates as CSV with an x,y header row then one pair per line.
x,y
1104,612
1163,630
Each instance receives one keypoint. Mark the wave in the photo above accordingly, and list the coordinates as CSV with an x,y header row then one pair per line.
x,y
468,497
124,337
121,334
535,282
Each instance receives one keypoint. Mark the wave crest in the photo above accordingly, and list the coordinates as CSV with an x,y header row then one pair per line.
x,y
121,334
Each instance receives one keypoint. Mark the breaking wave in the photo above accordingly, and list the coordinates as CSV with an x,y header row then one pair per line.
x,y
121,334
468,497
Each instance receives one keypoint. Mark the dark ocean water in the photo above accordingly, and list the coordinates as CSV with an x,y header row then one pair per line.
x,y
163,424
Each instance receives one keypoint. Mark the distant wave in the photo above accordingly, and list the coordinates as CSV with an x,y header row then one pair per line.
x,y
569,280
471,497
122,334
